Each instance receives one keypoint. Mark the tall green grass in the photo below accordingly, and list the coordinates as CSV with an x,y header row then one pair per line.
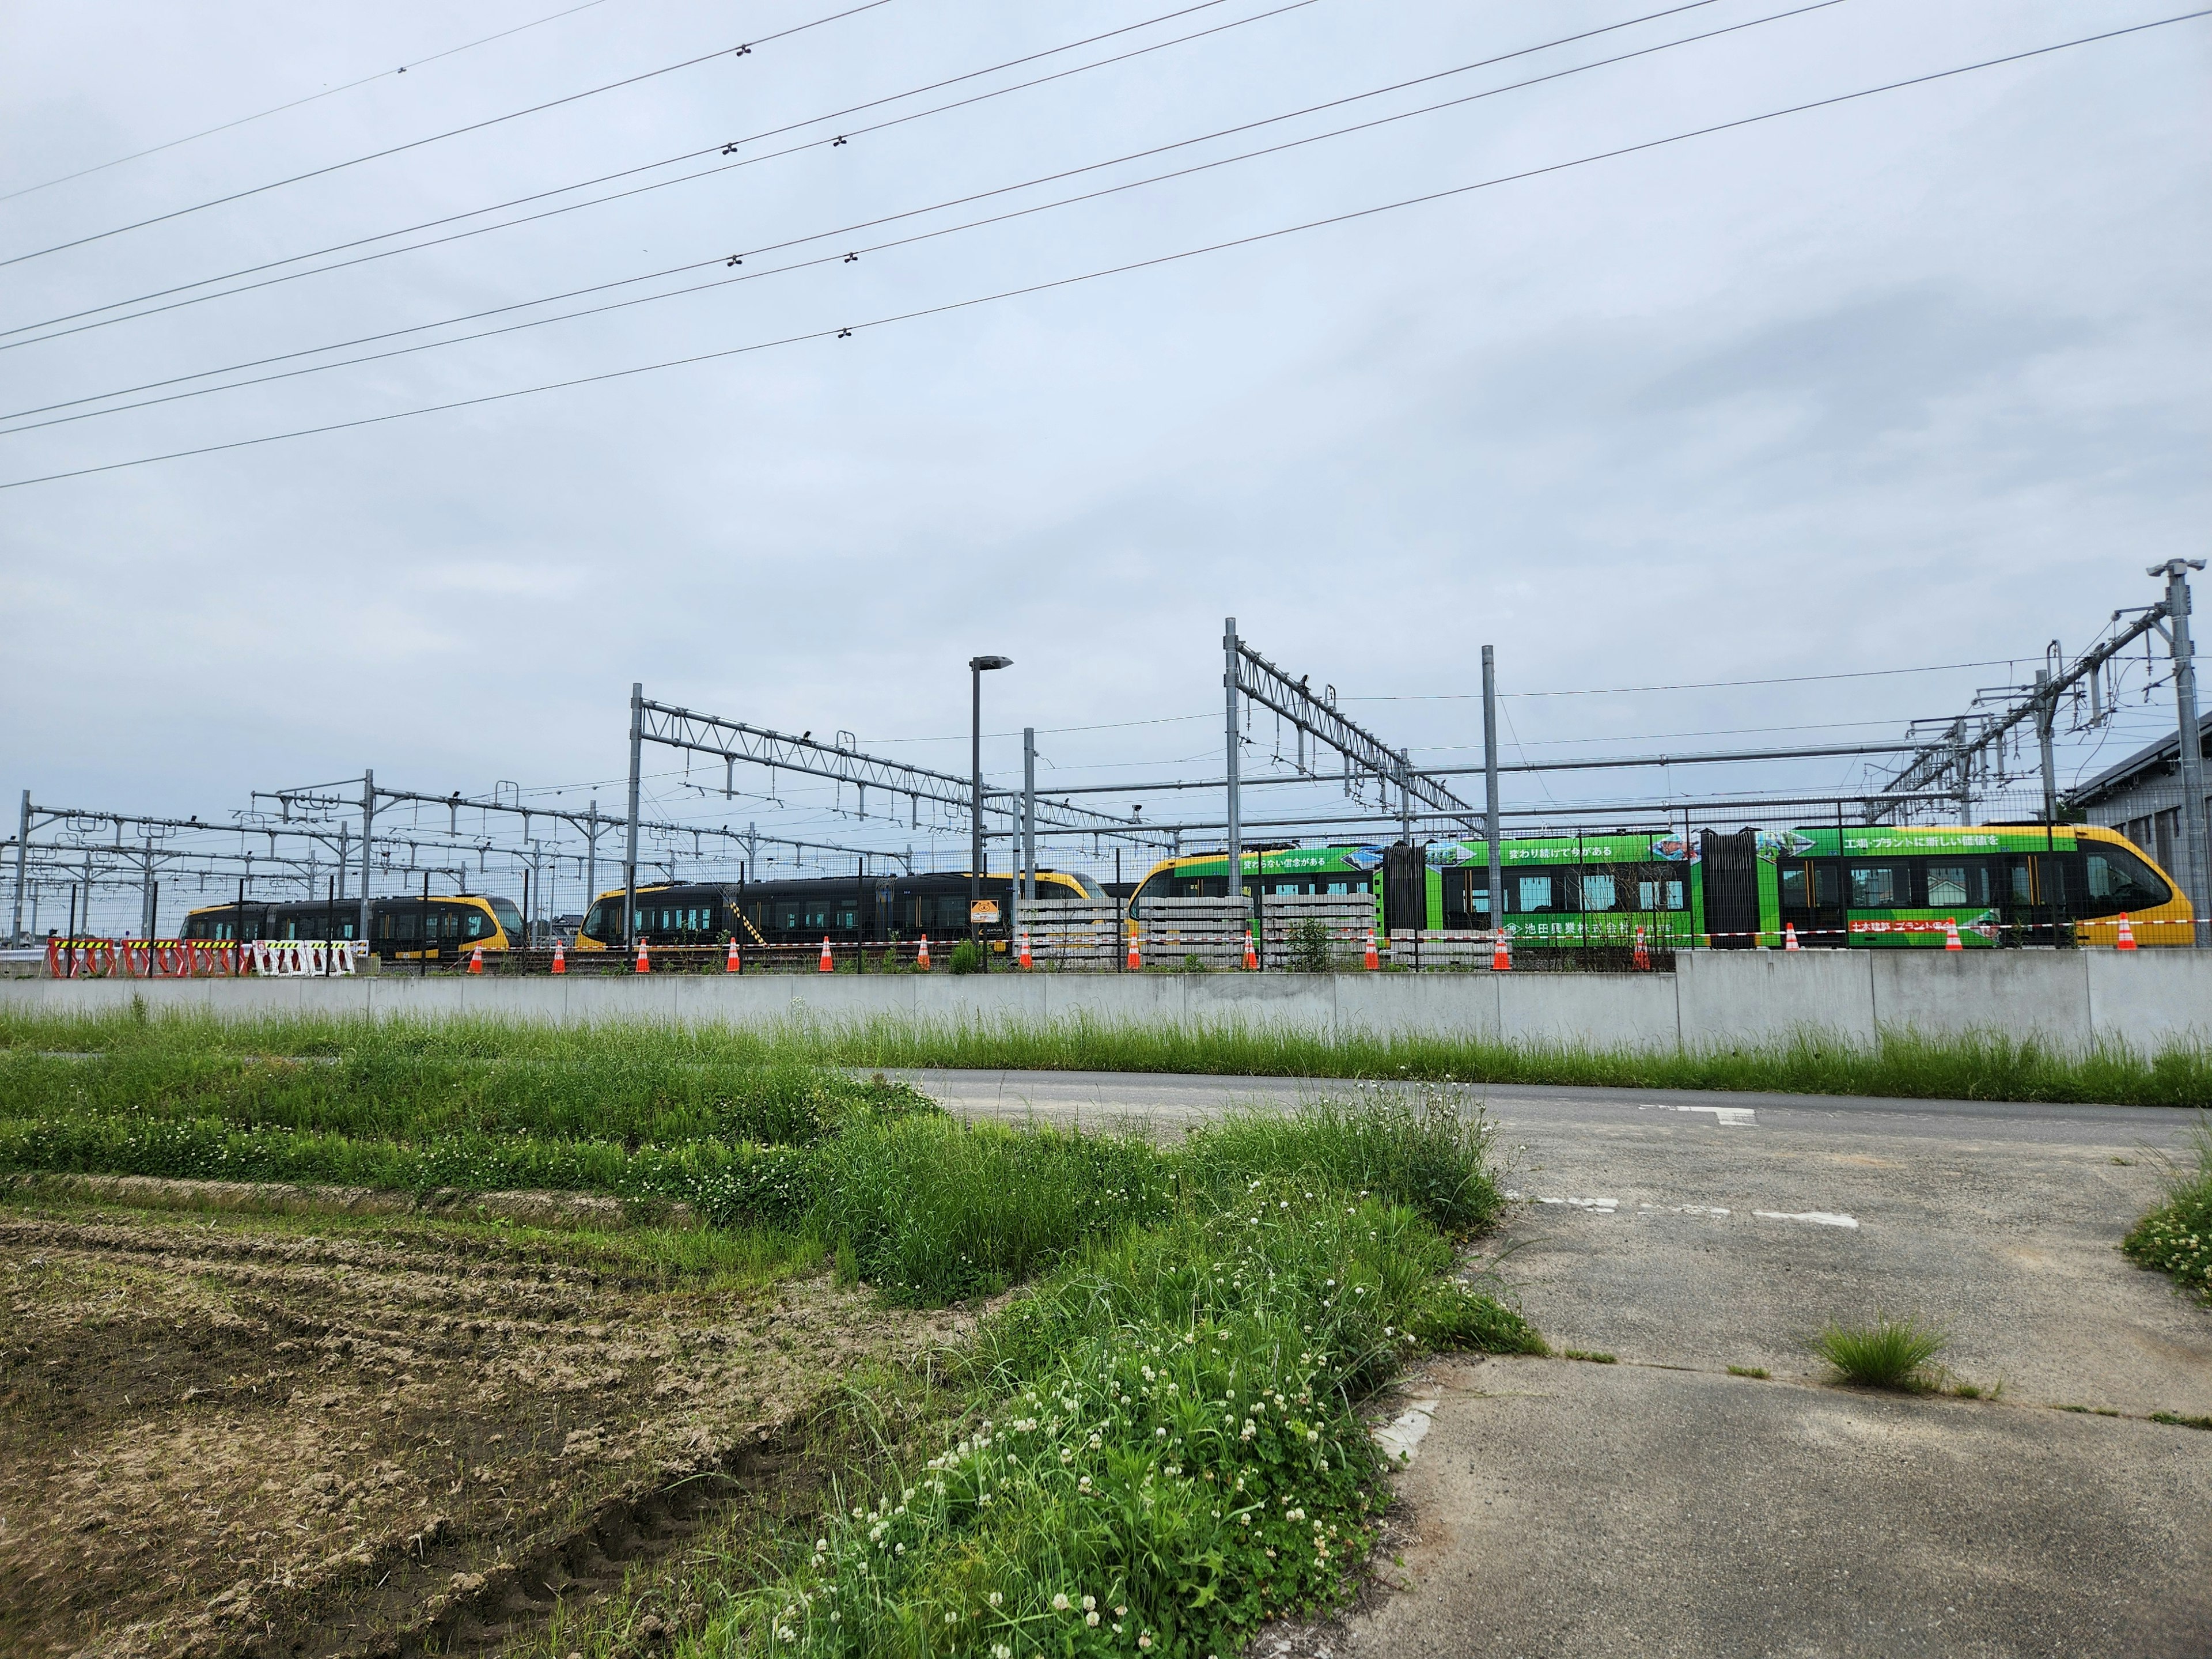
x,y
2176,1238
678,1061
1167,1449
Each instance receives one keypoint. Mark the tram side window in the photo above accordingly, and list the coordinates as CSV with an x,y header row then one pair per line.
x,y
1600,891
1880,886
1661,888
1532,895
1957,884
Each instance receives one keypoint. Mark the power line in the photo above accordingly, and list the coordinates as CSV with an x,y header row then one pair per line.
x,y
849,254
1054,284
1698,685
585,183
313,97
451,132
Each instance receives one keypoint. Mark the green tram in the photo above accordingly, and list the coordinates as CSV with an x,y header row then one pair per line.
x,y
1875,886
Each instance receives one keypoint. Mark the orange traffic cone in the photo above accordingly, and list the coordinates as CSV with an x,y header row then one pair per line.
x,y
1251,955
1950,939
644,966
1134,965
2127,938
1643,957
1501,955
476,960
1025,961
827,966
1789,937
730,963
560,958
921,956
1373,962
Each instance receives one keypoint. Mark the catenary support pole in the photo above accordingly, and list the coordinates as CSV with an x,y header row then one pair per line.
x,y
367,839
2190,746
630,850
592,860
1028,813
1489,784
23,852
1235,885
2046,710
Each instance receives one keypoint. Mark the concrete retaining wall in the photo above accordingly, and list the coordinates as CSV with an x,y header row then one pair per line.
x,y
2149,999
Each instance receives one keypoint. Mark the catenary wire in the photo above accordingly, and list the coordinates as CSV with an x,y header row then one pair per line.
x,y
1700,685
313,97
450,132
719,147
847,254
1055,283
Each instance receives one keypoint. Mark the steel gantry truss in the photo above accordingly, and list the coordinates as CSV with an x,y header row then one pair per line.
x,y
1976,737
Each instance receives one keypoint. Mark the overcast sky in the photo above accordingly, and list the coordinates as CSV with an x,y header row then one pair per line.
x,y
1920,379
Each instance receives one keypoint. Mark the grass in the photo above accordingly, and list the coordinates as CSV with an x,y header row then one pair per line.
x,y
1156,1447
1759,1371
1594,1355
2176,1238
1164,1446
1884,1353
2181,1421
1972,1068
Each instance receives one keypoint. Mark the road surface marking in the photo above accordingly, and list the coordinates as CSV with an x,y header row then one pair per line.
x,y
1728,1117
1686,1209
1818,1217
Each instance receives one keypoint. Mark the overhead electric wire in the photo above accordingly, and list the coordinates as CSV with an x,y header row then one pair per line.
x,y
847,254
1698,685
740,49
1054,284
719,146
313,97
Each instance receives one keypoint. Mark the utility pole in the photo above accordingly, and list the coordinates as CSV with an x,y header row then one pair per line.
x,y
2046,710
1489,785
22,850
1029,814
592,857
368,834
629,855
2190,753
1236,885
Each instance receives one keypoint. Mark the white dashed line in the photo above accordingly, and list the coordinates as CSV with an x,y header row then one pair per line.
x,y
1818,1217
1728,1117
1686,1209
1596,1206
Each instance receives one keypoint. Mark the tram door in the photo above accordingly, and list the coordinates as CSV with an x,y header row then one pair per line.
x,y
1731,881
1405,888
1812,895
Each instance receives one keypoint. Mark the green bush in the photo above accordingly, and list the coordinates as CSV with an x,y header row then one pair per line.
x,y
1174,1452
1309,946
2176,1238
967,957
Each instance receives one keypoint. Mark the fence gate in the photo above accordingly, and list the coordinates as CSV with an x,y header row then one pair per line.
x,y
1346,920
1731,888
1074,932
1212,929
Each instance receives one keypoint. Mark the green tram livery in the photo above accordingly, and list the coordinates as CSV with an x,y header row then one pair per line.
x,y
1875,886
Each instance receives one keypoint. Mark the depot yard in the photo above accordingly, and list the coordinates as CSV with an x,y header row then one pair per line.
x,y
286,1370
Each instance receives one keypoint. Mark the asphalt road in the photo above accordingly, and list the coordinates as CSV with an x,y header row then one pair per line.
x,y
1661,1505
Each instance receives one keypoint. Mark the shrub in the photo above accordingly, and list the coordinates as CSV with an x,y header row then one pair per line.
x,y
967,957
1309,946
2176,1238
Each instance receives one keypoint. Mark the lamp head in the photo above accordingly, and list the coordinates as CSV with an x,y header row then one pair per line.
x,y
982,664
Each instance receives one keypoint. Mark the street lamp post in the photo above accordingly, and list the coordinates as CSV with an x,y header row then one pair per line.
x,y
977,667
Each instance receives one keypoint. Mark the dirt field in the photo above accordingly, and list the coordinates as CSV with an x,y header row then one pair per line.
x,y
225,1434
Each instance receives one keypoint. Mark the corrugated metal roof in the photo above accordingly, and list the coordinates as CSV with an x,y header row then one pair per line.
x,y
2153,756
